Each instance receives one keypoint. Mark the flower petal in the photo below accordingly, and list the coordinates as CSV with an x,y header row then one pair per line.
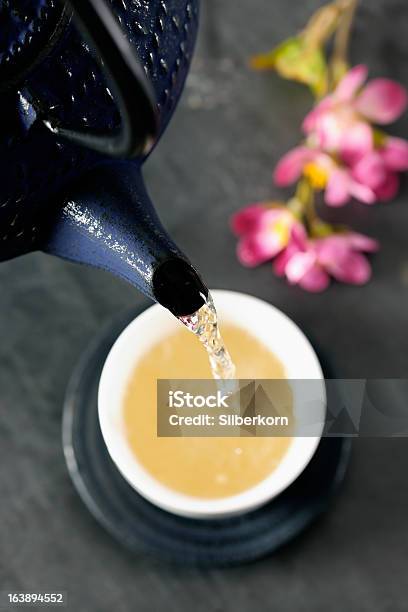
x,y
360,242
298,236
298,265
331,249
297,243
312,119
389,188
248,219
395,154
354,269
290,167
382,101
329,131
315,280
257,248
370,170
337,190
281,261
362,193
256,216
355,142
351,83
338,255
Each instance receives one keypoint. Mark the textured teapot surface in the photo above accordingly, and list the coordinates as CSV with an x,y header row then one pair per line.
x,y
27,31
49,73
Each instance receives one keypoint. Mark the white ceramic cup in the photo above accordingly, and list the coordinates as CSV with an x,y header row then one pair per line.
x,y
263,321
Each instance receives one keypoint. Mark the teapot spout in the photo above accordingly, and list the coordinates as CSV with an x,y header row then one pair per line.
x,y
178,287
108,221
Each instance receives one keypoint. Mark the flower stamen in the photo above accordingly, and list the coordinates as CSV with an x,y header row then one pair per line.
x,y
281,230
316,175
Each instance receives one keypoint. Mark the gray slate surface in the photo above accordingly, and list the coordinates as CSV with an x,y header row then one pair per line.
x,y
217,155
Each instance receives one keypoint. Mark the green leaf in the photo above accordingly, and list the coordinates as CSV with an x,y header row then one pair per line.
x,y
297,61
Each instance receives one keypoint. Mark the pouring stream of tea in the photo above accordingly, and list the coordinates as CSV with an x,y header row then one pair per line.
x,y
204,324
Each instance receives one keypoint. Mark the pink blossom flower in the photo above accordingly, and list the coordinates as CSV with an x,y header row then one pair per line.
x,y
395,154
311,263
372,171
264,230
323,172
340,123
372,177
378,170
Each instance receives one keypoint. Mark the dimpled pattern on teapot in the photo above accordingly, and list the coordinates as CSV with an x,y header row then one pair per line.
x,y
27,30
68,87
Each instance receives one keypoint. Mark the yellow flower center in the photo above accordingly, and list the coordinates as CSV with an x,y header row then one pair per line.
x,y
316,175
281,230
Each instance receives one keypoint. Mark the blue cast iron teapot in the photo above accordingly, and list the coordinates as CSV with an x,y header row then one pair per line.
x,y
86,89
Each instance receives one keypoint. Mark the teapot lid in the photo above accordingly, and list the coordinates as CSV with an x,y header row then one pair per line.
x,y
29,29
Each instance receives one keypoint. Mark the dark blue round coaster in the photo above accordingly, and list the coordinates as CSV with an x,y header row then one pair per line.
x,y
143,528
